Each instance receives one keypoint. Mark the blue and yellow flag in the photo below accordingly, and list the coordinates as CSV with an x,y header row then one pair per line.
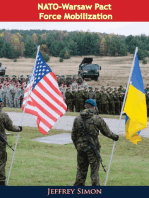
x,y
135,105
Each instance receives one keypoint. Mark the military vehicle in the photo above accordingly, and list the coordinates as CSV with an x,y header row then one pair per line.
x,y
89,70
2,70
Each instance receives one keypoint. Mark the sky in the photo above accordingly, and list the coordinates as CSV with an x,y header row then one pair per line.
x,y
120,28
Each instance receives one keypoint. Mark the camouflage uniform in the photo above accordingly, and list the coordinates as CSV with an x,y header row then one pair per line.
x,y
91,93
104,102
84,84
111,104
79,100
85,153
98,100
73,100
117,103
68,96
85,96
74,85
5,123
17,97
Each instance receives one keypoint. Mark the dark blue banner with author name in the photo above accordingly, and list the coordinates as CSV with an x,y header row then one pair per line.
x,y
59,191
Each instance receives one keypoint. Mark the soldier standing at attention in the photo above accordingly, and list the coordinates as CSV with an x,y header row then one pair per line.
x,y
73,100
84,84
68,99
91,93
84,135
5,123
74,85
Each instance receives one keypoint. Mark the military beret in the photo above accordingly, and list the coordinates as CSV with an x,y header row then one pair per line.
x,y
91,102
1,100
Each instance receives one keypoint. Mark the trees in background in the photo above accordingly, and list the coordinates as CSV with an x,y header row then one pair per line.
x,y
63,44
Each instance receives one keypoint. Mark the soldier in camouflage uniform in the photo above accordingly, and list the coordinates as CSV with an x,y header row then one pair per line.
x,y
5,123
85,96
117,102
111,103
104,102
79,100
73,100
74,85
98,99
68,99
85,128
17,96
84,84
91,93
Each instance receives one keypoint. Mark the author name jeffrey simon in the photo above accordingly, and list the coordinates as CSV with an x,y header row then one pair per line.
x,y
73,191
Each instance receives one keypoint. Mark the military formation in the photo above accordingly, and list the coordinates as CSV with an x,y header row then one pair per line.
x,y
109,100
75,91
12,92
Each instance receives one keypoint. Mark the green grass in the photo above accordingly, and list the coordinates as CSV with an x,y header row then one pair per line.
x,y
41,164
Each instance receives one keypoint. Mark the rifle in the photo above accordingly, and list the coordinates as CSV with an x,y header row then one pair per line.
x,y
4,140
93,146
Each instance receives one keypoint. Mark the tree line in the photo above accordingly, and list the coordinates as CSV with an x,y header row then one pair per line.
x,y
63,44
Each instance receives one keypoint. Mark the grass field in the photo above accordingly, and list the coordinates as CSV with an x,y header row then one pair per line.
x,y
41,164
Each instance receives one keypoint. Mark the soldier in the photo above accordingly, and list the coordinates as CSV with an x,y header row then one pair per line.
x,y
84,135
117,102
98,99
85,96
91,93
79,100
84,84
68,80
17,96
74,85
73,99
111,103
6,123
104,102
68,99
22,95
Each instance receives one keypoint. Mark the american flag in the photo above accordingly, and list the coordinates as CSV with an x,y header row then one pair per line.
x,y
42,96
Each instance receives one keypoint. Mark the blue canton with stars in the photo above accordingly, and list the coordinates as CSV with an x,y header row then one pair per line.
x,y
40,70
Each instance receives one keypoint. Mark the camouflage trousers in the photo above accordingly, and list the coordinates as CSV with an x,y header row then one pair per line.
x,y
69,104
3,160
84,159
99,106
112,108
79,105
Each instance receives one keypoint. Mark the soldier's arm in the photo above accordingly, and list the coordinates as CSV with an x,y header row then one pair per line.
x,y
9,124
104,129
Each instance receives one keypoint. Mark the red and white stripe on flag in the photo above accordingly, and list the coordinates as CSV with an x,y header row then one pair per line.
x,y
44,100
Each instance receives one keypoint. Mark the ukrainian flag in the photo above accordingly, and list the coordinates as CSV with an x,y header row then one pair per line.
x,y
135,105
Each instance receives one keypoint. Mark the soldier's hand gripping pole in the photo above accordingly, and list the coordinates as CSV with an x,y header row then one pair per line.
x,y
5,141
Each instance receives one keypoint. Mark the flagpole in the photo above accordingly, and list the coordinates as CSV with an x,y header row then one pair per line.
x,y
38,48
136,50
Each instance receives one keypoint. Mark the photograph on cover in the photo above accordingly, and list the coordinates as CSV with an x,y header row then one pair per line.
x,y
66,86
